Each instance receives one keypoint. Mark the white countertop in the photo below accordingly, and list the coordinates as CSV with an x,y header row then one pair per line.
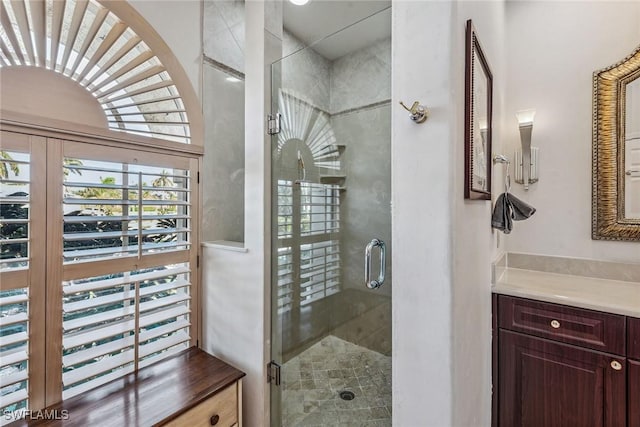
x,y
612,296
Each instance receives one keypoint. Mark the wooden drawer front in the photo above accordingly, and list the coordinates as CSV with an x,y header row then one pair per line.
x,y
586,328
223,404
633,337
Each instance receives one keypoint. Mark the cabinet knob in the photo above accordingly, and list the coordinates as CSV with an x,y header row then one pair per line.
x,y
616,365
214,420
555,324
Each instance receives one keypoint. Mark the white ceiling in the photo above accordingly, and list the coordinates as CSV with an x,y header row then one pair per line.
x,y
320,18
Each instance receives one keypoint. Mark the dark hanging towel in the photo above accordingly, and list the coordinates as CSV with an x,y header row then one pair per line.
x,y
508,209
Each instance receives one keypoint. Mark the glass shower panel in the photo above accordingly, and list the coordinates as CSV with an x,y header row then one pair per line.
x,y
331,195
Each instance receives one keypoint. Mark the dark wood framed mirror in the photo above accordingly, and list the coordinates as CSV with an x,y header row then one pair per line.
x,y
477,119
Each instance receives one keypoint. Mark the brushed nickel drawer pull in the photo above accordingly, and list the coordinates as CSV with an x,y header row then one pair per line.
x,y
616,365
555,324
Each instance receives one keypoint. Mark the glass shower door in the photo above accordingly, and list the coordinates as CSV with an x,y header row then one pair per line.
x,y
331,194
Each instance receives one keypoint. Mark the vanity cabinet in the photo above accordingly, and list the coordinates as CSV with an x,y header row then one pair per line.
x,y
633,367
562,366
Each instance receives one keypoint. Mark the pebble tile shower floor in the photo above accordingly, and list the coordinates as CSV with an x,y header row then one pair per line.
x,y
313,380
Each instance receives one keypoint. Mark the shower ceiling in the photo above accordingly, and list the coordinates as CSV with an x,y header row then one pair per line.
x,y
320,18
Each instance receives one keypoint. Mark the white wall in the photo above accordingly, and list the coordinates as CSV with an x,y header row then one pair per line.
x,y
475,244
179,24
237,291
553,49
422,214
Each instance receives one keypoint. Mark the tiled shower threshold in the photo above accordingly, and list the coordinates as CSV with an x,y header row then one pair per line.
x,y
313,380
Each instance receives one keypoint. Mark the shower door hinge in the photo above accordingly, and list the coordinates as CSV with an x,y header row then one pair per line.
x,y
273,124
273,372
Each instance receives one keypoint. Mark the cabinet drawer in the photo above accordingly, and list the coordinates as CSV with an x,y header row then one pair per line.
x,y
633,337
586,328
220,410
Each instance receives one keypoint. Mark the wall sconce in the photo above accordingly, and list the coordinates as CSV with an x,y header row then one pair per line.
x,y
527,155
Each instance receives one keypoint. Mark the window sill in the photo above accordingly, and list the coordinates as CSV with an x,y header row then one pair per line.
x,y
226,245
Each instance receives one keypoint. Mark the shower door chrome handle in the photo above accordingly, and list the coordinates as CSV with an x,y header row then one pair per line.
x,y
374,284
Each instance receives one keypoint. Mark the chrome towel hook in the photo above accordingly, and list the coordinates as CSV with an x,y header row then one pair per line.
x,y
501,158
418,113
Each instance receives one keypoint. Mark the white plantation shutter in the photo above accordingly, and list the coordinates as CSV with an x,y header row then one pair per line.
x,y
104,216
98,242
90,45
286,280
14,210
99,323
127,255
14,257
21,273
319,270
14,349
308,242
319,209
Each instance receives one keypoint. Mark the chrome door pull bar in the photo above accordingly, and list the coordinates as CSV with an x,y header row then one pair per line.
x,y
374,284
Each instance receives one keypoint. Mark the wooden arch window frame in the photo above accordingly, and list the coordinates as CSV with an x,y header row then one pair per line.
x,y
93,48
38,131
128,14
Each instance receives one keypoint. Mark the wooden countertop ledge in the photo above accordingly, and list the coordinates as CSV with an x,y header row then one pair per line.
x,y
155,395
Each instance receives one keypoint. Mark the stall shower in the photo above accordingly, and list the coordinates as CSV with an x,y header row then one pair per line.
x,y
331,334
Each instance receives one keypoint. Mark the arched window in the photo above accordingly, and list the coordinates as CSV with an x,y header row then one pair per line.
x,y
88,43
98,230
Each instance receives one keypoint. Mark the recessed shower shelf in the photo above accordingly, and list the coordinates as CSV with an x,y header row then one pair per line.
x,y
332,179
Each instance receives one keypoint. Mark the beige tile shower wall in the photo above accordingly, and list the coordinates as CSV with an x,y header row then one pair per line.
x,y
224,29
223,107
306,73
223,163
365,210
361,120
553,48
371,329
361,78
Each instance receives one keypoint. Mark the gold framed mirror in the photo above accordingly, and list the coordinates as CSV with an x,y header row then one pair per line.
x,y
616,151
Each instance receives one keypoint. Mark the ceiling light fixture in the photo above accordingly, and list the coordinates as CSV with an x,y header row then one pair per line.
x,y
299,2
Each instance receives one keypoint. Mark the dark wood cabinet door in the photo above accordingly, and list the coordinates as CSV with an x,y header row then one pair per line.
x,y
549,384
634,393
633,338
